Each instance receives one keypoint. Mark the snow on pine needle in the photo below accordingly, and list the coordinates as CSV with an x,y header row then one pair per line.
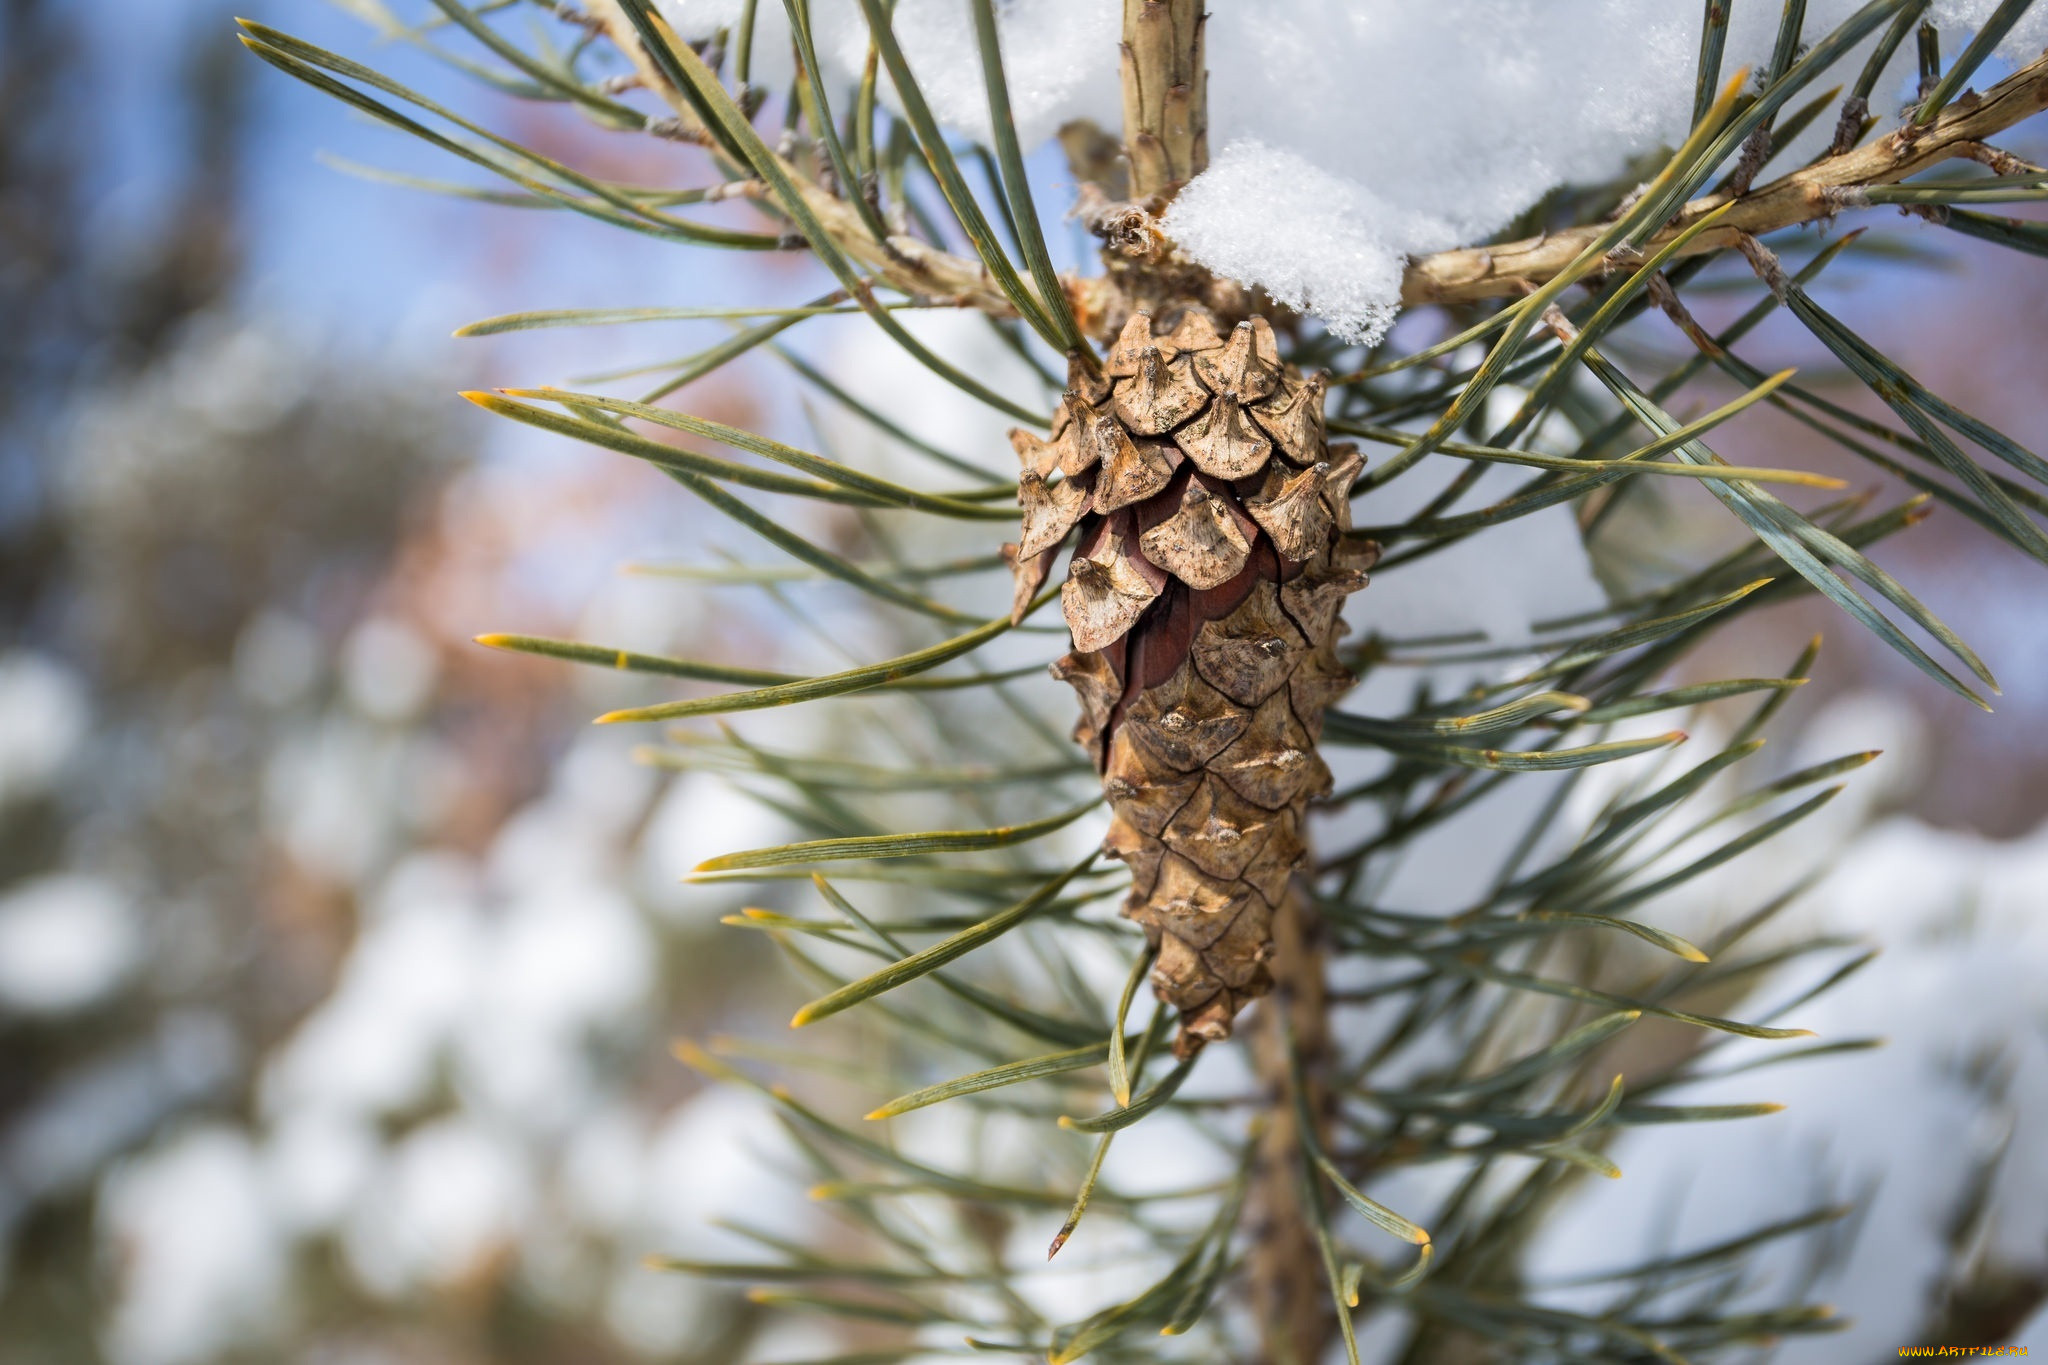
x,y
1325,180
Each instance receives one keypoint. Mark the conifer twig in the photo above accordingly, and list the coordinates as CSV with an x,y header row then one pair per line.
x,y
1284,1263
1165,87
901,261
1812,194
1204,598
1178,126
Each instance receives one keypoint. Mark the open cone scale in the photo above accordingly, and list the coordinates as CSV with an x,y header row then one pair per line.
x,y
1208,513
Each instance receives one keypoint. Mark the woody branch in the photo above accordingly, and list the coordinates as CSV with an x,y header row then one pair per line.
x,y
1165,108
1170,144
1815,193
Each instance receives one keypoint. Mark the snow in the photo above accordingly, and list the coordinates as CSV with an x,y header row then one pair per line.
x,y
1053,55
1344,244
568,965
315,1167
655,1315
492,992
66,940
1350,136
722,1157
1959,18
696,20
277,658
314,786
372,1046
454,1193
1353,136
198,1255
1472,111
513,989
388,670
1964,1070
116,1099
600,1173
43,715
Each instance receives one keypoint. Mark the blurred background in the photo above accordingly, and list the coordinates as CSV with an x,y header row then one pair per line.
x,y
339,957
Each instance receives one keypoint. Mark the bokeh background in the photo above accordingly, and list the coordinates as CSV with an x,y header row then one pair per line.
x,y
339,957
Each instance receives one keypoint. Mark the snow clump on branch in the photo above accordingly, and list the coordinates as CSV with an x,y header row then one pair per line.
x,y
1352,136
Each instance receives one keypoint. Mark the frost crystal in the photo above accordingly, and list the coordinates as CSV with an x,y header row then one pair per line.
x,y
1959,18
1316,242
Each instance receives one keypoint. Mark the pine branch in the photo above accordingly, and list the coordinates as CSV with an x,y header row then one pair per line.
x,y
1166,95
1813,194
1193,464
901,261
1178,127
1284,1264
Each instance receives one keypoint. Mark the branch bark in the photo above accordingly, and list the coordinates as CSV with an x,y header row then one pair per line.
x,y
902,262
1290,1295
1166,95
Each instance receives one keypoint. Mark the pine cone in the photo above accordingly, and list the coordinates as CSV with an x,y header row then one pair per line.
x,y
1203,597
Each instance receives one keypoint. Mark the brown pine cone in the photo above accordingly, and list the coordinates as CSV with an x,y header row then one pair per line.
x,y
1203,597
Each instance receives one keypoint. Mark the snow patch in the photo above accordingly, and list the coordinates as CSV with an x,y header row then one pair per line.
x,y
1420,127
1340,257
43,715
1964,1074
454,1194
1356,135
1054,56
388,670
277,658
200,1263
66,940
